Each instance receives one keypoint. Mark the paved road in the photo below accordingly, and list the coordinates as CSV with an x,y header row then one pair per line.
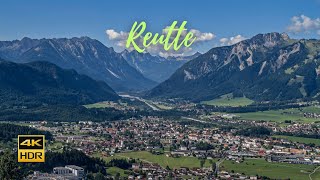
x,y
217,165
142,100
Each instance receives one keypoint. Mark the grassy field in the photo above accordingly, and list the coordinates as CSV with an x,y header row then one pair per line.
x,y
163,107
159,105
293,114
162,160
114,170
107,159
98,105
229,100
316,175
311,109
300,139
272,170
248,167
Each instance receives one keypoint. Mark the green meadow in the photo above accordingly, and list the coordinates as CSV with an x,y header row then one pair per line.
x,y
250,167
229,100
115,170
293,114
272,170
300,139
162,159
97,105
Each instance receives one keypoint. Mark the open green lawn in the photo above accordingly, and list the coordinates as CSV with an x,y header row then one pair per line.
x,y
163,107
229,100
300,139
316,175
159,105
293,114
272,170
162,159
114,170
97,105
311,109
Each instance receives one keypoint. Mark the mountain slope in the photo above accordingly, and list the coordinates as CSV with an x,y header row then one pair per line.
x,y
266,67
12,50
155,68
42,82
85,55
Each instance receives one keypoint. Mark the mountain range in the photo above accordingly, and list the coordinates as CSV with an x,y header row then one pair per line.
x,y
266,67
269,66
156,68
39,83
85,55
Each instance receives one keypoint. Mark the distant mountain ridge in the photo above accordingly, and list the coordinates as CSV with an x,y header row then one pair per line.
x,y
45,83
184,58
85,55
266,67
156,68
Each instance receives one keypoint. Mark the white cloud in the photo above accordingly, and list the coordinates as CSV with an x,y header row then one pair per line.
x,y
119,39
231,40
304,23
202,36
113,35
224,41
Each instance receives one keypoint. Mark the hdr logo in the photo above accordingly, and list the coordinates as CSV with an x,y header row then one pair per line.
x,y
31,148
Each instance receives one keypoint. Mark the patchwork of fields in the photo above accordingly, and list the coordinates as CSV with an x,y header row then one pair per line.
x,y
293,114
248,167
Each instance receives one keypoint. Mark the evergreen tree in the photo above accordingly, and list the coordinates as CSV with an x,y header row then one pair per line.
x,y
9,168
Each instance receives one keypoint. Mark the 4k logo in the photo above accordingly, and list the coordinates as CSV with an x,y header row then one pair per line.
x,y
31,148
31,142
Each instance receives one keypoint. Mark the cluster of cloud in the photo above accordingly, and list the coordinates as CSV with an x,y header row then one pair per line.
x,y
202,36
304,24
231,40
299,24
120,38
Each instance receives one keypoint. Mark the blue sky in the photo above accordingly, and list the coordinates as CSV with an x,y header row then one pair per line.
x,y
225,19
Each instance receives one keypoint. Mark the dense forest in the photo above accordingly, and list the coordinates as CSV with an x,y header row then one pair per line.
x,y
10,131
254,131
121,163
37,83
80,113
68,157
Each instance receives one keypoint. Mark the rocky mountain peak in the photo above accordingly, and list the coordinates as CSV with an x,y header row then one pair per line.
x,y
85,55
269,39
265,67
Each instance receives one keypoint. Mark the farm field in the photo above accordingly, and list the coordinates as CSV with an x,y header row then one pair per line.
x,y
316,175
162,159
293,114
98,105
114,170
163,107
272,170
229,100
300,139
